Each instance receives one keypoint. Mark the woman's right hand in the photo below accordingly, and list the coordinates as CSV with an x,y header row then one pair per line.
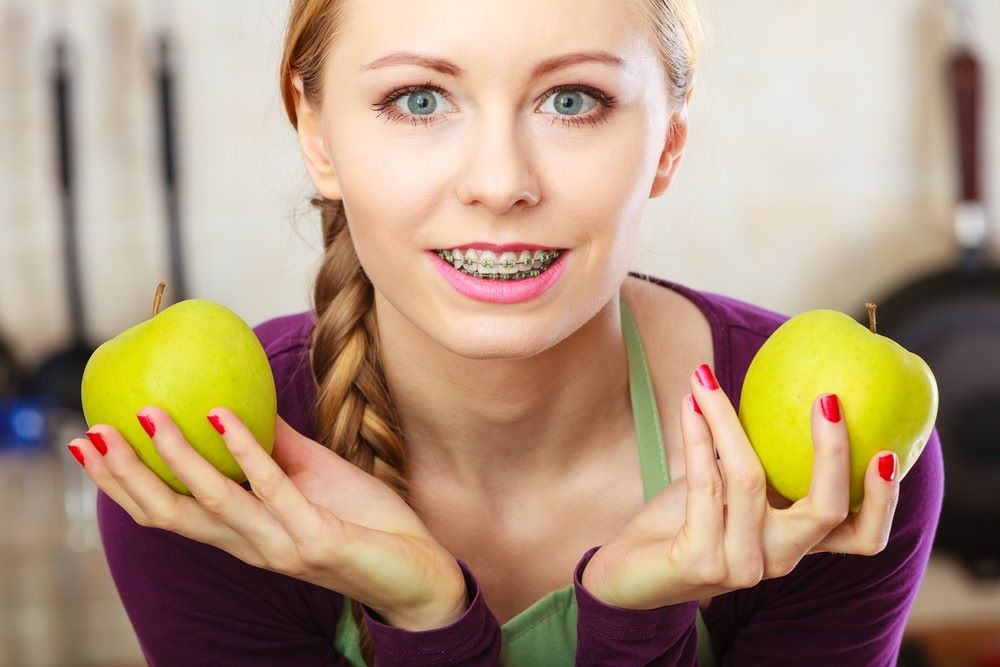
x,y
312,515
719,533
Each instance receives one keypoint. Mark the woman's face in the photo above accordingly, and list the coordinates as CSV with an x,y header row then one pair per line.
x,y
492,153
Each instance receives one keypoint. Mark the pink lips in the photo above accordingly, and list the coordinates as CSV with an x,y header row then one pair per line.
x,y
500,291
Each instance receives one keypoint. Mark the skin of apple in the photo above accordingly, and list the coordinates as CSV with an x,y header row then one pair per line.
x,y
189,358
888,397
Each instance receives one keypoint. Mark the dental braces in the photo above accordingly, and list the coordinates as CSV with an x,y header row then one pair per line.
x,y
546,260
547,257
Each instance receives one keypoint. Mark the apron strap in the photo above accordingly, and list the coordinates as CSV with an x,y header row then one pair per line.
x,y
649,434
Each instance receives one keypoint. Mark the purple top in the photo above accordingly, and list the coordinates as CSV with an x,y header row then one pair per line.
x,y
191,603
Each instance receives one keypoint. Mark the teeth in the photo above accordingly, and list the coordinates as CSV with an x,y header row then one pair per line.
x,y
537,259
525,260
508,266
487,263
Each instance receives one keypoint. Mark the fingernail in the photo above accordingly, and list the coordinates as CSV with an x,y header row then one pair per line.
x,y
76,452
98,441
831,407
706,377
147,424
216,423
694,404
887,467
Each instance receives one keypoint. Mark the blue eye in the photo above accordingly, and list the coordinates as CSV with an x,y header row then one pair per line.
x,y
422,103
568,100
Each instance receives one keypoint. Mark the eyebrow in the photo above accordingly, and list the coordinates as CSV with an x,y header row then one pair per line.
x,y
451,69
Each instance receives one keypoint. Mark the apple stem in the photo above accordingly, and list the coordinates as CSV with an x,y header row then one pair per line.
x,y
871,315
159,295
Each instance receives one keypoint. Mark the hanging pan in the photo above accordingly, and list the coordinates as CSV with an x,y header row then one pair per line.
x,y
951,318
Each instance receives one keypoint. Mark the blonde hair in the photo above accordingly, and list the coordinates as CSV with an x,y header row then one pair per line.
x,y
354,413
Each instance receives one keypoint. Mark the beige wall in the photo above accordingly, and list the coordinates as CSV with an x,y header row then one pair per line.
x,y
820,166
818,172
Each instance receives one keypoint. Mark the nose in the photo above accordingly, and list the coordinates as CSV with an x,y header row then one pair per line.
x,y
499,172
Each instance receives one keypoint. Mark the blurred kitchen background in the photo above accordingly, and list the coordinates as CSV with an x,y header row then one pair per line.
x,y
822,171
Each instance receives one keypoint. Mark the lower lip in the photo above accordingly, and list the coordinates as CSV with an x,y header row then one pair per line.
x,y
499,291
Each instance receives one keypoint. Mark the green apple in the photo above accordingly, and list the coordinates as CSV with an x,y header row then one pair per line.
x,y
194,356
888,398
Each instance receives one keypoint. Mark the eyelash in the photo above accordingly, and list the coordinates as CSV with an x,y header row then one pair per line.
x,y
608,103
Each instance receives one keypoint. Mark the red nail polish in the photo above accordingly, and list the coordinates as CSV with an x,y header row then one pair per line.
x,y
147,424
76,452
694,404
887,467
98,441
216,423
706,377
830,407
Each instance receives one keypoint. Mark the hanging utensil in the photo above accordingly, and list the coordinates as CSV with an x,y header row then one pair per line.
x,y
951,318
166,89
59,375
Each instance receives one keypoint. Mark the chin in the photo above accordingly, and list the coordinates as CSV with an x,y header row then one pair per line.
x,y
505,342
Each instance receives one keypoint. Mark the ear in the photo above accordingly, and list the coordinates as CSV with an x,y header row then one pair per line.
x,y
313,144
673,149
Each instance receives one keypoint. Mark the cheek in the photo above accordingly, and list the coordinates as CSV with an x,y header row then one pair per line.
x,y
386,195
399,161
601,192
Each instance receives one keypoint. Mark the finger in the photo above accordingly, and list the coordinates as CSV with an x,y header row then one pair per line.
x,y
295,453
746,488
219,495
95,468
296,513
824,508
829,489
288,451
151,502
158,502
704,522
867,531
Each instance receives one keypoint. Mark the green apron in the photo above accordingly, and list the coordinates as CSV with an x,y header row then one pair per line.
x,y
545,633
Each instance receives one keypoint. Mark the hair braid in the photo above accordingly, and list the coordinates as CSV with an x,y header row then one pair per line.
x,y
353,412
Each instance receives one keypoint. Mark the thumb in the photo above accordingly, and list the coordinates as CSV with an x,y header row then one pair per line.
x,y
294,453
291,451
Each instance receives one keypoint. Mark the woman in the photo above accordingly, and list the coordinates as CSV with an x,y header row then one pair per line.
x,y
494,440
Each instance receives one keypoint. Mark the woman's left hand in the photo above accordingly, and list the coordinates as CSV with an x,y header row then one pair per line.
x,y
310,514
713,530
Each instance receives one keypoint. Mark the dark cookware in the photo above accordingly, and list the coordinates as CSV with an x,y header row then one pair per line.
x,y
951,318
58,375
168,152
10,372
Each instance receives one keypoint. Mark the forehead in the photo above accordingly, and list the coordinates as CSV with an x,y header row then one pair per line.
x,y
494,38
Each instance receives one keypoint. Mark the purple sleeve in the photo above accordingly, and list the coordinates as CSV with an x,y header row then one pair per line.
x,y
190,603
472,640
607,635
846,609
832,609
193,604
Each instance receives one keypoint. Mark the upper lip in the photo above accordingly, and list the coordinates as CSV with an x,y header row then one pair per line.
x,y
502,247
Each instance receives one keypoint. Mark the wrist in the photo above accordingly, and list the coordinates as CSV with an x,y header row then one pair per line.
x,y
445,609
591,578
